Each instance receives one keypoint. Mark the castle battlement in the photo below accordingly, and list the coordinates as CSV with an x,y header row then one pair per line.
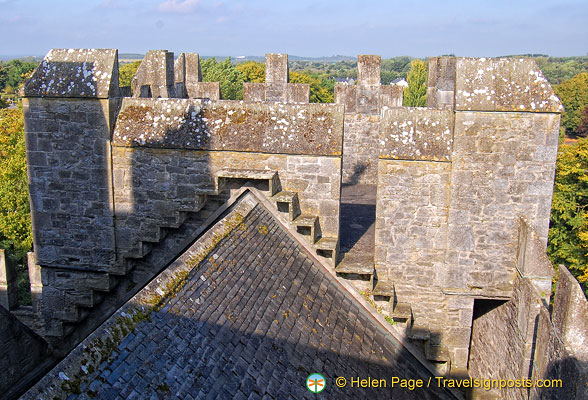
x,y
119,184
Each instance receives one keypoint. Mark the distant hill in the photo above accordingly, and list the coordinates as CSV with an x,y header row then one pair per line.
x,y
131,56
329,59
7,57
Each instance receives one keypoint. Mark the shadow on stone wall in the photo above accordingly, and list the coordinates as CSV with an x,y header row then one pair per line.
x,y
24,356
569,377
359,169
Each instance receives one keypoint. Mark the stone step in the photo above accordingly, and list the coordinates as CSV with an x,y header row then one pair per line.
x,y
419,331
86,299
401,312
308,225
154,236
287,201
58,329
174,221
437,353
251,174
72,314
384,288
140,251
349,268
328,247
352,263
104,282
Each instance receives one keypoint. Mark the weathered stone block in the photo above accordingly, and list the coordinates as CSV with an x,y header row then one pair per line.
x,y
88,73
391,96
416,134
441,82
345,94
569,314
368,69
298,93
292,129
203,90
253,92
503,85
276,68
187,68
156,71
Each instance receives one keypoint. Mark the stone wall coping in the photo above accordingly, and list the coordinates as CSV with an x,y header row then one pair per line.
x,y
75,73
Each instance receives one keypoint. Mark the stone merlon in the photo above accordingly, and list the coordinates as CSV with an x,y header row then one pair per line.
x,y
86,73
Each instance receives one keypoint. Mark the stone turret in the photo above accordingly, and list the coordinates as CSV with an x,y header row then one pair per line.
x,y
69,108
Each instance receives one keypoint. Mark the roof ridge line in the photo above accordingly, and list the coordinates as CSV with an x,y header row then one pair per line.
x,y
347,287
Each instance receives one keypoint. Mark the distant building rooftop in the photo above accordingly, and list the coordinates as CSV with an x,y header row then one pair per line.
x,y
399,82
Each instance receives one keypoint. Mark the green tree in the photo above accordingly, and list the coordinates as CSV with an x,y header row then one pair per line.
x,y
573,93
15,219
126,73
17,71
415,95
252,71
318,92
568,232
3,77
582,129
224,72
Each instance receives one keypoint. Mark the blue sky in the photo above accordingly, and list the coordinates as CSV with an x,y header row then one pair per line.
x,y
299,27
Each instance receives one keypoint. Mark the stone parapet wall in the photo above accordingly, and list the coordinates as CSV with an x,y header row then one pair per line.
x,y
276,88
441,83
313,129
155,75
503,85
364,105
149,183
562,342
409,133
502,340
519,339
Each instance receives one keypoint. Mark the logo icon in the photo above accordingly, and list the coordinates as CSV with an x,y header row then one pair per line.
x,y
315,383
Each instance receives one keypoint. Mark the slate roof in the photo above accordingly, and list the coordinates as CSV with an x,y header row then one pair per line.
x,y
254,319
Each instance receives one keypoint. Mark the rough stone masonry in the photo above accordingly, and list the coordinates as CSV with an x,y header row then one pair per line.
x,y
111,175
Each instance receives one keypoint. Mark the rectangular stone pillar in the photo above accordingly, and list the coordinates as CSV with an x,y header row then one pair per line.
x,y
157,72
8,286
368,70
276,68
188,79
441,82
35,280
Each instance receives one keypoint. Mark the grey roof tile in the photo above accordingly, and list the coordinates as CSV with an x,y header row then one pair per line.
x,y
253,320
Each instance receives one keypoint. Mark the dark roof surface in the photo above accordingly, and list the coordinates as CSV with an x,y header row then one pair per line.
x,y
253,320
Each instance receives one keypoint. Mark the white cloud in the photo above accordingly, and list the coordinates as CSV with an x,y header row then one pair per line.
x,y
178,6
